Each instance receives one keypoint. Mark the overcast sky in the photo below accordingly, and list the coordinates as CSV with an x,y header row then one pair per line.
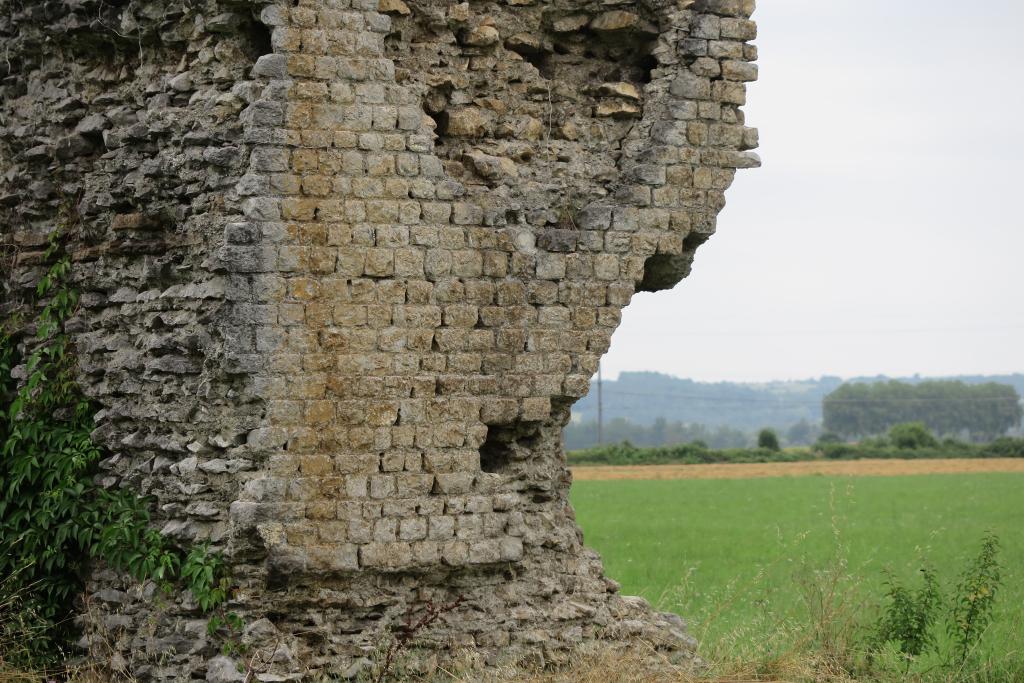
x,y
883,233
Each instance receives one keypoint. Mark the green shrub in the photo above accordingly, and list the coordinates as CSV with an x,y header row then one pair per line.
x,y
912,435
768,439
911,445
908,615
975,597
840,451
1004,447
828,437
909,618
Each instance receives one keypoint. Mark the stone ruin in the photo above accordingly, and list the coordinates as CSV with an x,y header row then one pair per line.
x,y
345,265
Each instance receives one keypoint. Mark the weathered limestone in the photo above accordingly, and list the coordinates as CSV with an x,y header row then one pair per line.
x,y
345,265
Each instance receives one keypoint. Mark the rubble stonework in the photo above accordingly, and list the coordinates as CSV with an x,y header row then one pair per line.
x,y
345,266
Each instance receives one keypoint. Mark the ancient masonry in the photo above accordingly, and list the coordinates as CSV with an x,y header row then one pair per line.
x,y
345,266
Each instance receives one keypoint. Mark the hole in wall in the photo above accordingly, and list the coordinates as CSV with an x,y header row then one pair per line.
x,y
495,453
277,580
440,125
393,41
259,36
536,55
506,444
664,271
541,61
694,240
647,64
435,104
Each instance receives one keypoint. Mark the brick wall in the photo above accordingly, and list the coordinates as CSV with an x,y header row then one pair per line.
x,y
344,352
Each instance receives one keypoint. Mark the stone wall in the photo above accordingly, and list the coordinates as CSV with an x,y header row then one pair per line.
x,y
346,265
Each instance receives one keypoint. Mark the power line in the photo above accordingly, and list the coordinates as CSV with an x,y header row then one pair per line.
x,y
805,401
859,331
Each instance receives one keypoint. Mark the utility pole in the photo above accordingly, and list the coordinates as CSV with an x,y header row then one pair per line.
x,y
600,407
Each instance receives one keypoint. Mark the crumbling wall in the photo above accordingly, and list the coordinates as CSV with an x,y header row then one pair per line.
x,y
346,264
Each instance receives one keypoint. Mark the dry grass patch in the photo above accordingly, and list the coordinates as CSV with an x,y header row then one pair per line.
x,y
755,470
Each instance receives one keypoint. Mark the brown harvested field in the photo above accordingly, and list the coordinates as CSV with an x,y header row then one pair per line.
x,y
840,468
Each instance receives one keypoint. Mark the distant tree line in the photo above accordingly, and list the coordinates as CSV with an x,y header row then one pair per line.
x,y
903,441
585,434
980,411
648,409
641,397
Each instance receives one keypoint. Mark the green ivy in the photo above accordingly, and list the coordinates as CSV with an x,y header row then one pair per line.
x,y
54,518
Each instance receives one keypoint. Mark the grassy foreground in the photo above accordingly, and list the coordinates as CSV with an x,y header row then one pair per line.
x,y
753,563
781,578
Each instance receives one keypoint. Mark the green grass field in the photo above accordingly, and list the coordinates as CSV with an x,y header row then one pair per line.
x,y
734,556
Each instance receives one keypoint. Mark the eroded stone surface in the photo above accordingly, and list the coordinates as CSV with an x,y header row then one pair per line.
x,y
345,265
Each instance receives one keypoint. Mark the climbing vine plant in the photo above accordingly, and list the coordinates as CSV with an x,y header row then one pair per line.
x,y
54,518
